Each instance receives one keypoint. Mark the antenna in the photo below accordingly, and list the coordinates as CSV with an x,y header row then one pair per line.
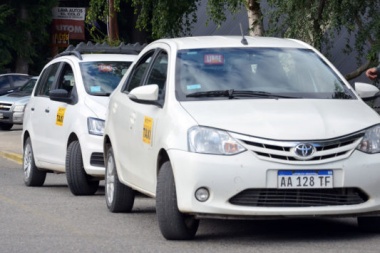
x,y
243,40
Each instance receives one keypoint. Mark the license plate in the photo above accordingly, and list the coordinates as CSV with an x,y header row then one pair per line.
x,y
1,116
290,179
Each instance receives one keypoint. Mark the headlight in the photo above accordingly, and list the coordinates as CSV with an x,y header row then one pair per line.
x,y
371,141
95,126
19,108
212,141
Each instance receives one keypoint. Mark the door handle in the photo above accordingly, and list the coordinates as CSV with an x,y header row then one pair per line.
x,y
47,110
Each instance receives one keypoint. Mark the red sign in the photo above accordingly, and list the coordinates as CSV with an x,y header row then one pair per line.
x,y
75,28
213,59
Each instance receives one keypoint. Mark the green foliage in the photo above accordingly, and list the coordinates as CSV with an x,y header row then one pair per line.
x,y
165,18
318,22
99,10
217,9
28,20
5,40
161,18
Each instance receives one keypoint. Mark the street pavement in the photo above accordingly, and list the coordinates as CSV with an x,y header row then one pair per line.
x,y
10,144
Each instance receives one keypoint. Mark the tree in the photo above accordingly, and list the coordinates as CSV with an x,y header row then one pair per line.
x,y
5,41
27,39
319,22
161,18
105,11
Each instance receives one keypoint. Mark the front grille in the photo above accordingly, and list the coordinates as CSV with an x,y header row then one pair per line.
x,y
284,151
299,197
97,159
5,106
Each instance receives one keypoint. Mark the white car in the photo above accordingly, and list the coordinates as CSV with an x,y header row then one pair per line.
x,y
232,127
64,119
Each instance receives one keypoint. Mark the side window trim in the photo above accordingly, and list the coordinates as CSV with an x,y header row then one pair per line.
x,y
152,53
42,81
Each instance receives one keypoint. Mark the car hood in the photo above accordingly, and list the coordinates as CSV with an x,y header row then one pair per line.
x,y
285,119
19,98
98,105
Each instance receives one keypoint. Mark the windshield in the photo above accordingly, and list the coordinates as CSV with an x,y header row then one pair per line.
x,y
225,73
101,78
27,88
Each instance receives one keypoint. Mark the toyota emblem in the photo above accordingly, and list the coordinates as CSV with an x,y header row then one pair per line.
x,y
304,150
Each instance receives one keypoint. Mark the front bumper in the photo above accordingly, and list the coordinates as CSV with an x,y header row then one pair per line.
x,y
228,176
92,153
11,117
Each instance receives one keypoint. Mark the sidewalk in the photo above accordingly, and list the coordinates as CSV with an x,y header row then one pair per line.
x,y
10,144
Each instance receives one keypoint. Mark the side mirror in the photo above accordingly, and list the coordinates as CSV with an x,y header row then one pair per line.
x,y
60,95
147,94
366,90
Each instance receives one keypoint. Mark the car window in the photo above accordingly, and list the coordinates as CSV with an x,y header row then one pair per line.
x,y
136,77
27,88
158,73
101,78
19,81
46,80
4,82
66,80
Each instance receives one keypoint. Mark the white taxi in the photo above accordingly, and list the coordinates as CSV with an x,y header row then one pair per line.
x,y
234,127
64,118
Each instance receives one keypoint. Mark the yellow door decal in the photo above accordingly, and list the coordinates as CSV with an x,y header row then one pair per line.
x,y
147,131
60,116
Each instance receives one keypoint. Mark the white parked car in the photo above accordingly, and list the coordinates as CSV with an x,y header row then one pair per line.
x,y
232,127
64,119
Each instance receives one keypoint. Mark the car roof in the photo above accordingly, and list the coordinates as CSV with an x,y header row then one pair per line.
x,y
108,57
98,57
232,41
14,74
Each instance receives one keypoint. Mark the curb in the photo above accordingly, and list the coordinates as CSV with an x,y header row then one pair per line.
x,y
12,156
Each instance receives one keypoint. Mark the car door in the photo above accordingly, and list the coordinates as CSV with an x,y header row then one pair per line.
x,y
38,119
61,115
141,120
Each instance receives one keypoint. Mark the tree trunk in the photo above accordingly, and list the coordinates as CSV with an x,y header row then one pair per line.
x,y
113,30
22,65
255,18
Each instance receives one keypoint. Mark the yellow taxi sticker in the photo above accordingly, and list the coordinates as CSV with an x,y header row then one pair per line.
x,y
147,131
60,115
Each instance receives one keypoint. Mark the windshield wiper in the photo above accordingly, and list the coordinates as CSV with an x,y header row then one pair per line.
x,y
101,94
237,93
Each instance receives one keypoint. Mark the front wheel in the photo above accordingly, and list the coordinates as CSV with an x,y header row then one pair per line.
x,y
6,126
32,175
119,197
173,224
369,224
79,182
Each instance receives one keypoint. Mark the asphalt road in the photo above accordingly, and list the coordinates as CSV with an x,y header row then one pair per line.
x,y
51,219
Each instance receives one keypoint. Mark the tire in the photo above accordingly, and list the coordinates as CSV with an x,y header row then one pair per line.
x,y
173,224
369,224
119,197
6,126
79,182
32,175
